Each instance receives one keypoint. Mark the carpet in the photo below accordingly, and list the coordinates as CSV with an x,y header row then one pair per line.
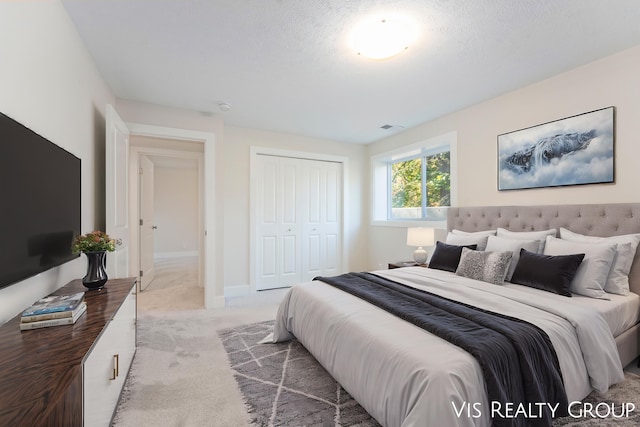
x,y
283,385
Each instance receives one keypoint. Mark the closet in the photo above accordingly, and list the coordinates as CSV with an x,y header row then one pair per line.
x,y
298,220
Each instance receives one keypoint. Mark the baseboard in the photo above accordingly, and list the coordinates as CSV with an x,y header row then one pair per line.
x,y
237,291
179,254
218,302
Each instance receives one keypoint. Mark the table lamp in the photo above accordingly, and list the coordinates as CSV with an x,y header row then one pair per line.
x,y
420,236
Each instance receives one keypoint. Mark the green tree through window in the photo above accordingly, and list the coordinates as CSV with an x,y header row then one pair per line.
x,y
414,178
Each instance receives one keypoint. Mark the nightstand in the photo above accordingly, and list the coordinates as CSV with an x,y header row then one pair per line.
x,y
401,264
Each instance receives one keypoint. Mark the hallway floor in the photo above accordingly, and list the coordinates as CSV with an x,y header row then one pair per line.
x,y
174,286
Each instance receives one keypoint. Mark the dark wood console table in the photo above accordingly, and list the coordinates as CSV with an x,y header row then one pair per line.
x,y
41,370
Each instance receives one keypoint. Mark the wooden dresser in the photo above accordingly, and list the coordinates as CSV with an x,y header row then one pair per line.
x,y
70,375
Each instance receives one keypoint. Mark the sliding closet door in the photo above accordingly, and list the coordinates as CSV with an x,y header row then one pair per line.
x,y
298,220
279,218
322,221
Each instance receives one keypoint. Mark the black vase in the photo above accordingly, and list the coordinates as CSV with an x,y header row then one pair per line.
x,y
96,270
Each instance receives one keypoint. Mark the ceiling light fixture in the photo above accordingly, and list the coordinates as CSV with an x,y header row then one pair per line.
x,y
382,38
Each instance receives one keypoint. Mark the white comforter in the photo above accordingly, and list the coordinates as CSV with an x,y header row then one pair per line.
x,y
404,376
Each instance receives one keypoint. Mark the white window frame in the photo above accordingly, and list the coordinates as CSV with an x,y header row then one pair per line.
x,y
381,182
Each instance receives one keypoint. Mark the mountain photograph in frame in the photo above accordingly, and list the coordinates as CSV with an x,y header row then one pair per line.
x,y
575,150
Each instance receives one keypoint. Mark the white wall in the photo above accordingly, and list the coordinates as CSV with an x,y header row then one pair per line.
x,y
611,81
175,211
237,195
49,83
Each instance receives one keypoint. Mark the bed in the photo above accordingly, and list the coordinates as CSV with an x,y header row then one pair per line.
x,y
405,376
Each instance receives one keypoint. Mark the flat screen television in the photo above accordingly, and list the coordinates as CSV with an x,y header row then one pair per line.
x,y
40,203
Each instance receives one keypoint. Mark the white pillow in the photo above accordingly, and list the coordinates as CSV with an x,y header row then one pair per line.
x,y
618,280
528,235
476,233
467,239
502,244
592,274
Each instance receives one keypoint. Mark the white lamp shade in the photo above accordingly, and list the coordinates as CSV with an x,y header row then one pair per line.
x,y
420,236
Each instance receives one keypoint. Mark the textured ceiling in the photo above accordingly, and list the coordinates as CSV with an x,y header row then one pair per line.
x,y
287,66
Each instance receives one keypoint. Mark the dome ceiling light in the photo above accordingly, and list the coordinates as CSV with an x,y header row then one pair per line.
x,y
381,38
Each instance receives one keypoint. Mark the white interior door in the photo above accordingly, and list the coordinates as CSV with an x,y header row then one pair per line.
x,y
147,227
322,223
279,246
117,192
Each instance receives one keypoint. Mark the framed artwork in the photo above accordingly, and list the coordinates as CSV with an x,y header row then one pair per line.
x,y
571,151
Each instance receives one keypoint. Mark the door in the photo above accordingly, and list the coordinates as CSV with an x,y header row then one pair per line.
x,y
147,171
278,216
298,220
322,221
117,192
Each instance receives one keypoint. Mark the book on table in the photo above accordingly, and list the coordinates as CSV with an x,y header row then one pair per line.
x,y
45,308
51,316
79,311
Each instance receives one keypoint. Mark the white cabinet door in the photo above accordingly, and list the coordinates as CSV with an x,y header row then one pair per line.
x,y
106,366
322,221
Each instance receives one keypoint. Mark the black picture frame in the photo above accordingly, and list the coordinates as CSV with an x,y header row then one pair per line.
x,y
575,150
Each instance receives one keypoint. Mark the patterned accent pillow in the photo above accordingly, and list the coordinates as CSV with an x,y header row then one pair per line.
x,y
488,267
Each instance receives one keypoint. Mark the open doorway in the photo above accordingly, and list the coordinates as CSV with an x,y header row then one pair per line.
x,y
167,190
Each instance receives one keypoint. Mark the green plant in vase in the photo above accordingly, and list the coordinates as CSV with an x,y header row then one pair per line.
x,y
95,246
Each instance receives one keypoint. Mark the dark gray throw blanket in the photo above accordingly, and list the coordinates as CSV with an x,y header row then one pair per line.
x,y
519,364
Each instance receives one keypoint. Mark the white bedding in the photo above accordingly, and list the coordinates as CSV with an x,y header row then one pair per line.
x,y
404,376
620,311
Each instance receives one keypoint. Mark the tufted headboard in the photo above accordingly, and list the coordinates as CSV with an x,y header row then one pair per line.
x,y
594,220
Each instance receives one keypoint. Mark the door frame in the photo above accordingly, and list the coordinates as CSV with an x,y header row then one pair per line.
x,y
254,151
212,299
137,152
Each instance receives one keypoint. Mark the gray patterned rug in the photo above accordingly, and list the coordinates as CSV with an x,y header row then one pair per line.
x,y
283,385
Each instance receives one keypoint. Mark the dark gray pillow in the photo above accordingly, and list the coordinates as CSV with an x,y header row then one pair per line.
x,y
447,257
490,267
552,273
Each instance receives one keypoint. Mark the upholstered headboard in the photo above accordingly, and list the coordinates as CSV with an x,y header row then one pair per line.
x,y
594,220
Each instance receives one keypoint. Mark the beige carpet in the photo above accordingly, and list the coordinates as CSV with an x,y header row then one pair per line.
x,y
180,375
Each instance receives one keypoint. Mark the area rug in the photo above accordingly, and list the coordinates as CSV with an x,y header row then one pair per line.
x,y
283,385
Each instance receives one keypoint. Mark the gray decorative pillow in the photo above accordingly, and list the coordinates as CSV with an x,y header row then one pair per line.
x,y
488,267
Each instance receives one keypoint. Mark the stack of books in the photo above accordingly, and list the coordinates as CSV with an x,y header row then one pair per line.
x,y
53,310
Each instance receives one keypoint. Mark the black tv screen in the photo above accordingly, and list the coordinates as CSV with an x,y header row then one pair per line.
x,y
40,197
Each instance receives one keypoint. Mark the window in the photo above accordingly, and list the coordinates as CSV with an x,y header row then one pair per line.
x,y
415,183
418,185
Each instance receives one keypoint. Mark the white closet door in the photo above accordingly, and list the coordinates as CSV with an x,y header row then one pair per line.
x,y
279,247
322,224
